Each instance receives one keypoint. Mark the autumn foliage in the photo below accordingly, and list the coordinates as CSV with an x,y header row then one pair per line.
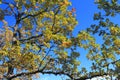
x,y
41,41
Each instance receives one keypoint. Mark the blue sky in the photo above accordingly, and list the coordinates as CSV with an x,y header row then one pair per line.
x,y
84,12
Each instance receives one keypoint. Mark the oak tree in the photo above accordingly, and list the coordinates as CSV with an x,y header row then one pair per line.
x,y
40,40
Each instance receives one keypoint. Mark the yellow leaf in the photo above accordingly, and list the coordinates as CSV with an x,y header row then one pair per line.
x,y
8,35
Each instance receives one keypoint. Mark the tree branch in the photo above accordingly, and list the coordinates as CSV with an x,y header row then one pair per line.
x,y
97,74
32,37
54,19
39,71
92,75
111,63
45,55
33,15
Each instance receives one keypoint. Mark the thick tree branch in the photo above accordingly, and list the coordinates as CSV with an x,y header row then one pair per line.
x,y
92,76
32,37
39,71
